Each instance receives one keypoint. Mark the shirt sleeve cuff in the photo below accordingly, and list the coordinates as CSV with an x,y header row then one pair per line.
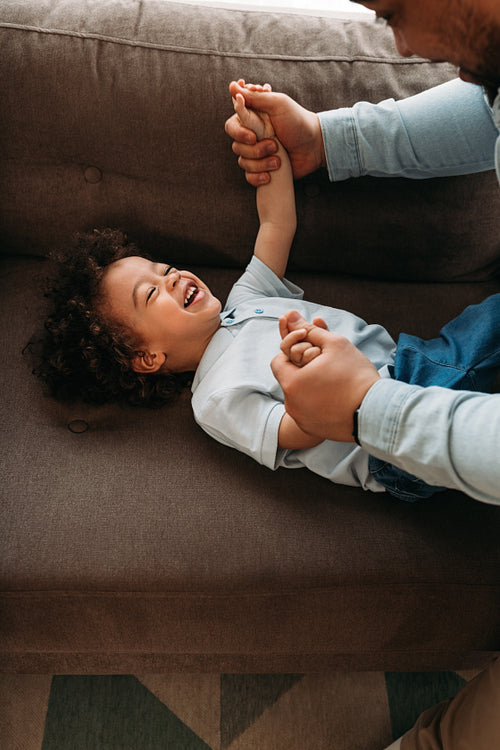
x,y
379,415
341,144
271,455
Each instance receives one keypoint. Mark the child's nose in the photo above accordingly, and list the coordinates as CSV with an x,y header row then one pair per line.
x,y
172,278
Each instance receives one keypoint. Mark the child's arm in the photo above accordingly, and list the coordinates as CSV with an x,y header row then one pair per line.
x,y
275,200
276,209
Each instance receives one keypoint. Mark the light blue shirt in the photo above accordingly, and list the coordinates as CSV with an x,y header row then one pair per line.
x,y
236,398
447,130
448,438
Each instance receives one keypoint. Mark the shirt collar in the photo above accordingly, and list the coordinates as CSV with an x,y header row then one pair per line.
x,y
216,347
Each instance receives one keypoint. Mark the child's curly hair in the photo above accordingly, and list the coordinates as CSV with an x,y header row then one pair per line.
x,y
83,355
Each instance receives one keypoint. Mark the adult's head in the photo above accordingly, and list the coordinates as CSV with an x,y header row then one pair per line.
x,y
463,32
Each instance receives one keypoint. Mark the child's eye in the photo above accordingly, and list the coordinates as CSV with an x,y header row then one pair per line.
x,y
151,291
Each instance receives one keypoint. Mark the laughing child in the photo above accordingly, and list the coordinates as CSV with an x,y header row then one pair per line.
x,y
128,329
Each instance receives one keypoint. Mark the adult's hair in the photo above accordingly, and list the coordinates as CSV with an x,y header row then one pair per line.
x,y
83,353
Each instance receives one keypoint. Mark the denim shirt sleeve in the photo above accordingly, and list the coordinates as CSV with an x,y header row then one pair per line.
x,y
447,130
447,438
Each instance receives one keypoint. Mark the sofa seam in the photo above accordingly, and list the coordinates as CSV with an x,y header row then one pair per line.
x,y
103,593
213,52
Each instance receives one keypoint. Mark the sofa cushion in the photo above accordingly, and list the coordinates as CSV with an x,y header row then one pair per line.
x,y
132,540
115,116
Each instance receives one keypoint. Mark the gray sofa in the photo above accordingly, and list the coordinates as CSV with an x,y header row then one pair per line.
x,y
131,542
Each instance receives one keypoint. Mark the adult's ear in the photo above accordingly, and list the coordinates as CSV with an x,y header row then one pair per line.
x,y
147,362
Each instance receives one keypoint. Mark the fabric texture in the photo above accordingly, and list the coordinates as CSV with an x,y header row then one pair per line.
x,y
444,131
110,88
131,541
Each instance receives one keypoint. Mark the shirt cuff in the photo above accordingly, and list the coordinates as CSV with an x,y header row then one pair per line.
x,y
341,144
271,455
379,416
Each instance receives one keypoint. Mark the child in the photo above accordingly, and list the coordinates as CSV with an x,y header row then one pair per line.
x,y
135,326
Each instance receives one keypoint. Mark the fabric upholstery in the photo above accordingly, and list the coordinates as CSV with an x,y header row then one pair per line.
x,y
131,541
135,97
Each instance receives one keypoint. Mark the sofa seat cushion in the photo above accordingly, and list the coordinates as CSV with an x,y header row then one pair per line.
x,y
131,532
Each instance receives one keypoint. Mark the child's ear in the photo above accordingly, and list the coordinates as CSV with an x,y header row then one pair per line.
x,y
147,362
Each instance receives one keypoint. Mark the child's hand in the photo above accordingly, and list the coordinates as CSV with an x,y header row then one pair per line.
x,y
259,122
294,344
298,351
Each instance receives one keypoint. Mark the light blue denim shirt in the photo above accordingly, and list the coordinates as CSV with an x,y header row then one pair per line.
x,y
447,130
448,438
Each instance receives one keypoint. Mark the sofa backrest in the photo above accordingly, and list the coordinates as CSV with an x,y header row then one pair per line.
x,y
113,114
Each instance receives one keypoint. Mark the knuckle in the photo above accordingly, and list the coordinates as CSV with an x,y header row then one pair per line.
x,y
251,179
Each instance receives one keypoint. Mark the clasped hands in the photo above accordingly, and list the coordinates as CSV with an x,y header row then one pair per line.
x,y
324,377
294,342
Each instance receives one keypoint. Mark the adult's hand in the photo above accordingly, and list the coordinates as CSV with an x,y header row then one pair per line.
x,y
297,128
323,394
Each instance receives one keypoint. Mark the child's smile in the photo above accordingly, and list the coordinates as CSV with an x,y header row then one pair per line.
x,y
192,294
172,313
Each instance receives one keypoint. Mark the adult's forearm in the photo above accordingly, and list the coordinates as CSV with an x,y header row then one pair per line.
x,y
447,130
447,438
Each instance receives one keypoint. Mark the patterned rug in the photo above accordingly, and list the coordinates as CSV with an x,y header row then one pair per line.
x,y
339,711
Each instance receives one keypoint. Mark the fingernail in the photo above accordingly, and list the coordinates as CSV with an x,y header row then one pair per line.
x,y
271,148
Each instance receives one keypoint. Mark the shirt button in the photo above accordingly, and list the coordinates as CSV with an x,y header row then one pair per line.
x,y
258,310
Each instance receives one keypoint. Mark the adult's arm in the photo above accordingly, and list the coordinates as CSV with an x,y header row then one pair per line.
x,y
448,438
447,130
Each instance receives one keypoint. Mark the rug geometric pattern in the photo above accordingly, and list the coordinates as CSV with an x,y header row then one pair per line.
x,y
335,711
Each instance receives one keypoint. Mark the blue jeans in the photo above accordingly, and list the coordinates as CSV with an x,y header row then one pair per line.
x,y
465,356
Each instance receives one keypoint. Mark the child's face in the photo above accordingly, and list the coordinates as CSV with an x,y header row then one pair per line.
x,y
172,313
